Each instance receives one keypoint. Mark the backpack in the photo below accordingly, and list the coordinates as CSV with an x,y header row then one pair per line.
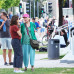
x,y
43,49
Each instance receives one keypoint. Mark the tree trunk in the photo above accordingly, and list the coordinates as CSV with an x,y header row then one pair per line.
x,y
60,13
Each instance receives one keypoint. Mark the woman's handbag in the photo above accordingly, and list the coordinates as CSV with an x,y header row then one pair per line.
x,y
34,43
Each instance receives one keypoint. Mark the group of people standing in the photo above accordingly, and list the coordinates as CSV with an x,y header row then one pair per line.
x,y
17,36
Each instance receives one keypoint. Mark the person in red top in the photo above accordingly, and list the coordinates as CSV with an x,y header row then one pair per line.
x,y
16,44
14,33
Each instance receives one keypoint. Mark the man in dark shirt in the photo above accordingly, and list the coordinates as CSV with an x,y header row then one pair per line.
x,y
5,38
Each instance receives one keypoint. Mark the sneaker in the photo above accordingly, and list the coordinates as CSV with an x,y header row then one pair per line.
x,y
11,63
18,71
5,63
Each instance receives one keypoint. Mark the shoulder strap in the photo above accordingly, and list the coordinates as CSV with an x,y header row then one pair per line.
x,y
27,29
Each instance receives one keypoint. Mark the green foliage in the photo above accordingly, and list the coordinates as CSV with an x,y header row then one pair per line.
x,y
16,2
5,4
1,3
9,3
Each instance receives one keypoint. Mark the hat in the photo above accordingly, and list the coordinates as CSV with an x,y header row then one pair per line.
x,y
26,15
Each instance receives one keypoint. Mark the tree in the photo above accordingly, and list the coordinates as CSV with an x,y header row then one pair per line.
x,y
7,4
1,3
60,13
16,2
10,3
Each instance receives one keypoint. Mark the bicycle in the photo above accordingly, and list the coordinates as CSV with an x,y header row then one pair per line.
x,y
46,37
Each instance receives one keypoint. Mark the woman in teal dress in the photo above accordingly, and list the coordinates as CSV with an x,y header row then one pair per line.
x,y
28,51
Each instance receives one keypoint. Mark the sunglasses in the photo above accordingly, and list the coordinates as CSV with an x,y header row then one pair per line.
x,y
25,17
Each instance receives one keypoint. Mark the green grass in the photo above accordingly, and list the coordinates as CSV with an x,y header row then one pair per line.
x,y
42,46
62,56
41,52
59,57
37,52
41,71
1,52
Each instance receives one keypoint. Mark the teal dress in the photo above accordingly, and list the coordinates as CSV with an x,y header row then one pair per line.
x,y
26,47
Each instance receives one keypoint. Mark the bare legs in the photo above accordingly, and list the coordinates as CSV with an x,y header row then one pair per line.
x,y
9,55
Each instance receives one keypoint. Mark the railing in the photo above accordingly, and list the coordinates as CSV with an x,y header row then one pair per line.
x,y
58,29
62,27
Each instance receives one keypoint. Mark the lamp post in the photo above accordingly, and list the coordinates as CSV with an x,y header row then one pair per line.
x,y
34,7
37,9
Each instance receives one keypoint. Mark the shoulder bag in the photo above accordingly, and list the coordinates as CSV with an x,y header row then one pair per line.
x,y
34,43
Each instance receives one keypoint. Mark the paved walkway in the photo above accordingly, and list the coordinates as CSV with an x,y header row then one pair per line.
x,y
45,63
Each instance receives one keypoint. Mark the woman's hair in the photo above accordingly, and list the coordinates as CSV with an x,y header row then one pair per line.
x,y
63,31
33,18
14,20
4,13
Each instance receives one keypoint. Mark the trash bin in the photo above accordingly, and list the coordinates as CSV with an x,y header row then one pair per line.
x,y
53,48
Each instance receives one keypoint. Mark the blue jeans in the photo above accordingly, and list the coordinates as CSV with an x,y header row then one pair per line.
x,y
18,55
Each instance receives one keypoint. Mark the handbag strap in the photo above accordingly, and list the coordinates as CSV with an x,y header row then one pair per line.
x,y
27,30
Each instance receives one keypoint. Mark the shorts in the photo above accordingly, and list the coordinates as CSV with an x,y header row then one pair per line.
x,y
6,43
